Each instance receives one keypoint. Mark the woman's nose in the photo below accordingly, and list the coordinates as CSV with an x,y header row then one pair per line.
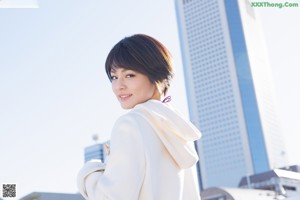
x,y
120,84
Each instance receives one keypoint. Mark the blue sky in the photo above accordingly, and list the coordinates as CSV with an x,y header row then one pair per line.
x,y
54,94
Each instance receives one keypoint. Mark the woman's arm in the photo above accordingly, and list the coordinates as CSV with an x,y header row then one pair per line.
x,y
124,173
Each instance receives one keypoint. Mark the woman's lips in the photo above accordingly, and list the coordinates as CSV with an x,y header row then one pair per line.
x,y
124,97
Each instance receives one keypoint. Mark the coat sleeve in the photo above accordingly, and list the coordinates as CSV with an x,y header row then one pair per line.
x,y
125,169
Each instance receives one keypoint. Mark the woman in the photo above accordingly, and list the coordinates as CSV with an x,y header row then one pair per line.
x,y
152,154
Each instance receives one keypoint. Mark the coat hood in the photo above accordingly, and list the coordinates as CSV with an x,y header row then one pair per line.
x,y
176,133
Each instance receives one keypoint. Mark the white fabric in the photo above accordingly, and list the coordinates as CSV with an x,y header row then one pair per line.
x,y
152,157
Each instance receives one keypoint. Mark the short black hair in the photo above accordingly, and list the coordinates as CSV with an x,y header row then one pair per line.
x,y
143,54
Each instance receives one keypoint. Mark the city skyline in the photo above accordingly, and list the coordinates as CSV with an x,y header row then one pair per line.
x,y
54,94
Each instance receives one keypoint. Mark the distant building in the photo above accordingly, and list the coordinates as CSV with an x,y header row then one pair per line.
x,y
215,193
283,184
283,181
96,151
293,168
219,193
52,196
229,89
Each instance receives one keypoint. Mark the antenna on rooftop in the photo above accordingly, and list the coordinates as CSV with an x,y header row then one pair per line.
x,y
95,137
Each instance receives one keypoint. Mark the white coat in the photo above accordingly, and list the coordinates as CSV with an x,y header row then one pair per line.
x,y
152,157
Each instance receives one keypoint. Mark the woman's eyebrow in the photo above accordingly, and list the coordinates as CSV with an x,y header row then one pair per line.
x,y
121,69
113,70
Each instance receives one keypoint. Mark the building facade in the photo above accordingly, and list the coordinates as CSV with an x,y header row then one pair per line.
x,y
229,90
96,151
52,196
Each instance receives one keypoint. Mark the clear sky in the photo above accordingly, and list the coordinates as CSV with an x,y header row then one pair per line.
x,y
54,94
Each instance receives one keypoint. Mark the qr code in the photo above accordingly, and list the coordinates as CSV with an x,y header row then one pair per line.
x,y
9,190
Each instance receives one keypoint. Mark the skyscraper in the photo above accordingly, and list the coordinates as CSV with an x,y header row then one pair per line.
x,y
229,90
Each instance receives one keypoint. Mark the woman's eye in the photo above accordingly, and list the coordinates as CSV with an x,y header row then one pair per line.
x,y
130,75
113,78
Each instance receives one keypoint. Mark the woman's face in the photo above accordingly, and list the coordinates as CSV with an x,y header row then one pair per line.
x,y
132,88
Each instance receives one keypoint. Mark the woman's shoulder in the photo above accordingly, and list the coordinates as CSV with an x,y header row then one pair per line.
x,y
131,119
129,125
142,114
132,115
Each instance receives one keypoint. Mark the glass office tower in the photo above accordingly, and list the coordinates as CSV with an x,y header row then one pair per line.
x,y
229,90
